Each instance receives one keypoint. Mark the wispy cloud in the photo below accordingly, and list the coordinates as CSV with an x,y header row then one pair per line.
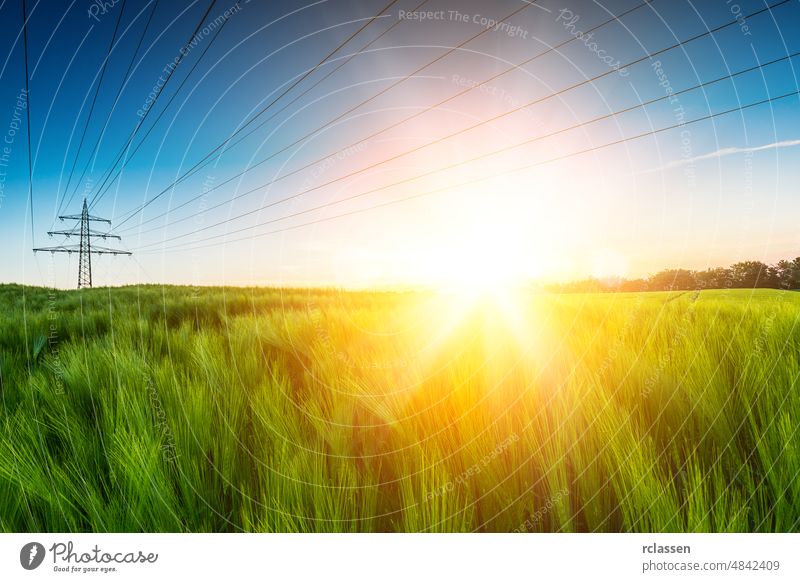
x,y
722,153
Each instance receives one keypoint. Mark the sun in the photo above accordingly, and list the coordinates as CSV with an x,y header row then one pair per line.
x,y
486,261
478,241
484,249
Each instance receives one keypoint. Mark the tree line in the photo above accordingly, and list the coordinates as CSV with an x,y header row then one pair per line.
x,y
784,274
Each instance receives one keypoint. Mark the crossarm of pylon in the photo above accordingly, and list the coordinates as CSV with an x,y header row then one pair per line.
x,y
78,217
106,251
59,249
69,233
77,249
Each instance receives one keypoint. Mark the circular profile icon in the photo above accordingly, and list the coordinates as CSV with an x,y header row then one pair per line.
x,y
31,555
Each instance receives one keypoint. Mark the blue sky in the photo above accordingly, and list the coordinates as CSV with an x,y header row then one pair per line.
x,y
706,194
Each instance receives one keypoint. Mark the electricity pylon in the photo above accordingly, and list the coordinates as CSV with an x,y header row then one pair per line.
x,y
85,249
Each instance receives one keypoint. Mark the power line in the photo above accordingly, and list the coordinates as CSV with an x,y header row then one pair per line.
x,y
492,153
349,111
482,123
466,183
126,78
111,48
330,73
268,106
207,160
179,59
371,136
99,194
28,115
173,68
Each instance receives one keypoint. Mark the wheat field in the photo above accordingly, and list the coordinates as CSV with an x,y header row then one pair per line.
x,y
164,409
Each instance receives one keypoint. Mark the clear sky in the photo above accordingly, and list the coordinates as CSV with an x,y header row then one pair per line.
x,y
700,195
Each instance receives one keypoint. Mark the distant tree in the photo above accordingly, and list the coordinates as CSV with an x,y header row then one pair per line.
x,y
719,278
630,285
784,274
750,274
773,278
794,280
788,274
672,280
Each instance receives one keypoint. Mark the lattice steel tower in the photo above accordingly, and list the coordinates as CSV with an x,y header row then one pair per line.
x,y
84,249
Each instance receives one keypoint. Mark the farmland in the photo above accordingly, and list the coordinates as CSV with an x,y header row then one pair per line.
x,y
297,410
